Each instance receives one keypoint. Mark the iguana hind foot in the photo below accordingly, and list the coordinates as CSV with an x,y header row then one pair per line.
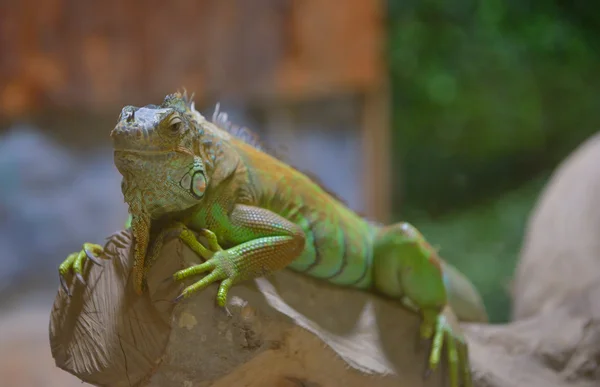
x,y
456,350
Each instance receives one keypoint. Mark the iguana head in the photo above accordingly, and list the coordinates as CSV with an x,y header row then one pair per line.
x,y
156,151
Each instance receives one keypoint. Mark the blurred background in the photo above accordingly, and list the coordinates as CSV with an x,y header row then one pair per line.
x,y
447,114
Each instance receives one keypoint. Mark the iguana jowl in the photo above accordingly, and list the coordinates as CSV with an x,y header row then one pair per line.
x,y
182,172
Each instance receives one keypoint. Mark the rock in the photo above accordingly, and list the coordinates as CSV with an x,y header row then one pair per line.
x,y
286,330
281,331
560,258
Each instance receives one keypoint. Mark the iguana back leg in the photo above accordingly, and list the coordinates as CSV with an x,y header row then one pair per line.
x,y
406,267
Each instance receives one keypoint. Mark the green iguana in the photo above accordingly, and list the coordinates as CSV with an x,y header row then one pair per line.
x,y
184,173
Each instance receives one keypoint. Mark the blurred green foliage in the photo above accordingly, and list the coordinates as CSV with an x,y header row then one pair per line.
x,y
484,242
487,95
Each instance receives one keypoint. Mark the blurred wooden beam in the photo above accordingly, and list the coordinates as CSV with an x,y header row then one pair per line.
x,y
376,143
97,57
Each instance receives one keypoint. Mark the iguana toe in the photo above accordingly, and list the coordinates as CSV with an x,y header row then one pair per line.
x,y
456,352
216,272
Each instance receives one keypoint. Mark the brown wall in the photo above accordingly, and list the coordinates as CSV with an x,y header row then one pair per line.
x,y
98,55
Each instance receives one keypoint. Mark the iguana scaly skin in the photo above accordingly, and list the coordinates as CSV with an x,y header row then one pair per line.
x,y
184,173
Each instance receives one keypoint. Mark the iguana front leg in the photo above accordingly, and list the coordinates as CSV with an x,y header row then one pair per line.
x,y
405,266
270,243
140,228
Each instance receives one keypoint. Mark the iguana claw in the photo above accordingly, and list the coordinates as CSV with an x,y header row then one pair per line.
x,y
74,263
456,352
92,257
80,278
427,373
63,284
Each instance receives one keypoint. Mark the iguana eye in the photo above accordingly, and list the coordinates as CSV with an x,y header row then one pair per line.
x,y
175,125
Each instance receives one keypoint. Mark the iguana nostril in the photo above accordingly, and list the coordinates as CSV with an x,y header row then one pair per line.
x,y
130,117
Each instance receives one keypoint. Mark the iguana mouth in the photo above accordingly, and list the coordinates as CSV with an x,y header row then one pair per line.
x,y
151,152
145,152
